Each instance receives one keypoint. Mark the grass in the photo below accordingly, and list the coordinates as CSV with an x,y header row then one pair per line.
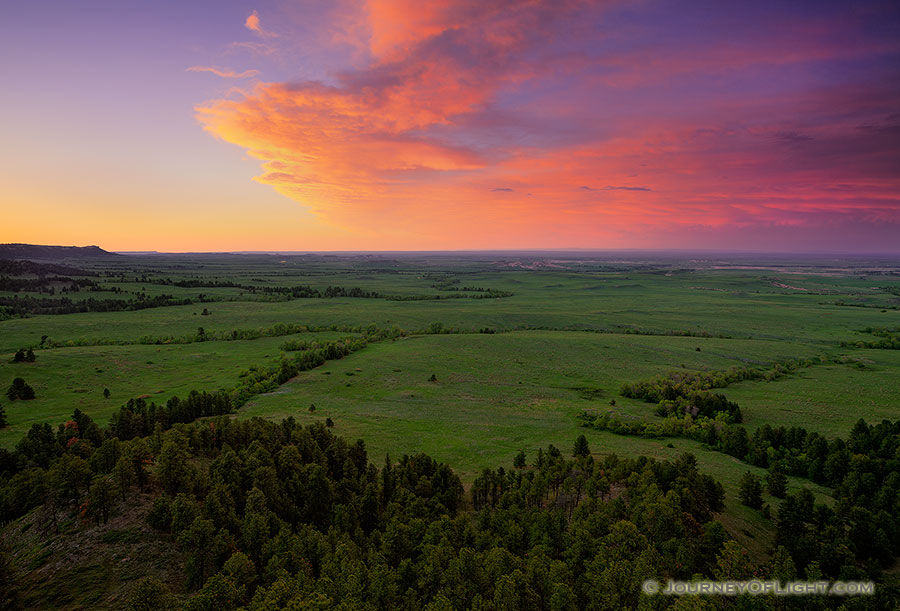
x,y
68,378
91,567
605,301
493,394
829,398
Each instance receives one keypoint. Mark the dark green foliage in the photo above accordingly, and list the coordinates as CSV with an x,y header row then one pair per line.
x,y
38,447
19,390
581,447
219,593
160,515
262,505
863,471
3,420
81,426
138,418
680,392
275,515
751,491
150,594
776,481
28,304
202,547
101,499
890,339
174,471
519,460
24,356
69,477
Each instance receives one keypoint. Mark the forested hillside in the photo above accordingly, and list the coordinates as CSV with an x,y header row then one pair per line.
x,y
262,515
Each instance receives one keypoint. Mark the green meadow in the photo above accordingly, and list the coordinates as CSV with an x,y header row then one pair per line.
x,y
65,379
493,394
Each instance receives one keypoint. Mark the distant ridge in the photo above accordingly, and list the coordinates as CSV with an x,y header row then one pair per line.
x,y
52,253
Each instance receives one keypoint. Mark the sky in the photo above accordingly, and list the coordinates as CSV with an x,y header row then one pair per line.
x,y
451,125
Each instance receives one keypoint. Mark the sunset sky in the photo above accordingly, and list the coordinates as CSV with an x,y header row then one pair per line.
x,y
451,124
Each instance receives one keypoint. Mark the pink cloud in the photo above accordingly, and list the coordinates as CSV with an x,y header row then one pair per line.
x,y
223,72
466,116
252,23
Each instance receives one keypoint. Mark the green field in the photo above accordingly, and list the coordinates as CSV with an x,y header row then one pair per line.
x,y
68,378
572,332
494,394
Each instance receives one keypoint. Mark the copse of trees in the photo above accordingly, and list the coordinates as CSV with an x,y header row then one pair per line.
x,y
24,356
751,491
776,480
862,469
890,339
681,392
701,403
19,390
257,380
137,418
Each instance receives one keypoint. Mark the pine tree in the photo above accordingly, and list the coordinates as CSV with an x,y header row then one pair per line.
x,y
19,390
776,481
751,491
581,447
519,460
150,594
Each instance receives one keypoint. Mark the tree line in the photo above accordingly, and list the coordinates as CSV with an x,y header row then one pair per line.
x,y
28,305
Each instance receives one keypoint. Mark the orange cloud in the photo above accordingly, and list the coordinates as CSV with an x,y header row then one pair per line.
x,y
433,137
252,24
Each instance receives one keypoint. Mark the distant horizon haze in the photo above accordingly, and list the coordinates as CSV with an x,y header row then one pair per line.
x,y
535,251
